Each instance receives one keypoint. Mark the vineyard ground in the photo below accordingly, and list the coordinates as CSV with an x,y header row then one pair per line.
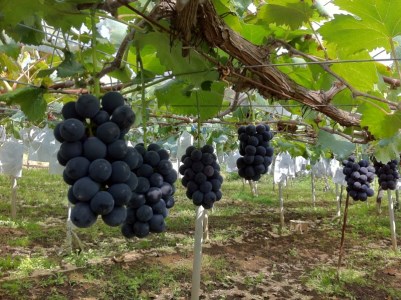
x,y
247,257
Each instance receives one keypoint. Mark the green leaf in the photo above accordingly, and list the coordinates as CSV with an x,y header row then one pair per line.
x,y
362,76
123,74
12,50
30,99
388,149
67,68
286,12
375,23
338,145
180,98
380,121
194,68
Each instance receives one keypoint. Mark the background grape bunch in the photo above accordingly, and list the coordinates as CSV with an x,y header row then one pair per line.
x,y
358,176
154,195
387,174
98,163
201,176
255,150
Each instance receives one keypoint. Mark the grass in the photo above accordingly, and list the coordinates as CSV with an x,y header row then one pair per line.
x,y
40,231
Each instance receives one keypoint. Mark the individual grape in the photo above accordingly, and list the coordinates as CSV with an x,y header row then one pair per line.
x,y
68,111
169,202
157,224
137,200
131,218
77,167
151,158
163,154
67,179
85,188
70,195
165,167
132,181
144,213
117,150
56,133
121,193
123,116
153,195
132,158
100,170
87,106
127,230
145,170
102,203
82,216
111,100
116,217
171,177
141,229
159,207
69,150
94,148
154,147
156,180
72,130
101,117
108,132
143,185
120,172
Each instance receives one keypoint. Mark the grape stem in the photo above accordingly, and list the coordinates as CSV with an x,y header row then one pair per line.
x,y
96,80
340,255
143,99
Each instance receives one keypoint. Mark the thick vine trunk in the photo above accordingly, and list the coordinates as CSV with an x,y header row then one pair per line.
x,y
268,80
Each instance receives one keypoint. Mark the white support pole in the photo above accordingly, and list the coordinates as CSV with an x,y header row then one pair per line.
x,y
68,240
397,199
13,197
280,196
338,200
313,189
197,263
392,221
206,226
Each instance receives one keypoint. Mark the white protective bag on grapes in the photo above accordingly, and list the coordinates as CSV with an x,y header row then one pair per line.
x,y
11,157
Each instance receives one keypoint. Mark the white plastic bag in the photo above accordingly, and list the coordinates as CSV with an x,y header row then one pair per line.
x,y
11,156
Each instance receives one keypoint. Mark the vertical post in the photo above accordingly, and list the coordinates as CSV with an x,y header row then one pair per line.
x,y
68,240
13,197
197,263
338,200
280,196
392,221
206,226
313,189
397,199
340,255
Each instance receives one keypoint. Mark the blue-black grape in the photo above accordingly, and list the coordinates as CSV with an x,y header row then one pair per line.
x,y
116,217
102,203
87,106
255,150
82,216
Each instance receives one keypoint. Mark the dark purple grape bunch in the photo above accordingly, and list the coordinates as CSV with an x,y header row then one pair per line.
x,y
154,195
387,174
201,176
98,163
358,176
255,150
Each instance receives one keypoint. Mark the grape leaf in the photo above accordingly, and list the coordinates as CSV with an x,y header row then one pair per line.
x,y
375,23
340,146
286,12
68,67
362,76
380,121
194,68
180,98
30,99
388,149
